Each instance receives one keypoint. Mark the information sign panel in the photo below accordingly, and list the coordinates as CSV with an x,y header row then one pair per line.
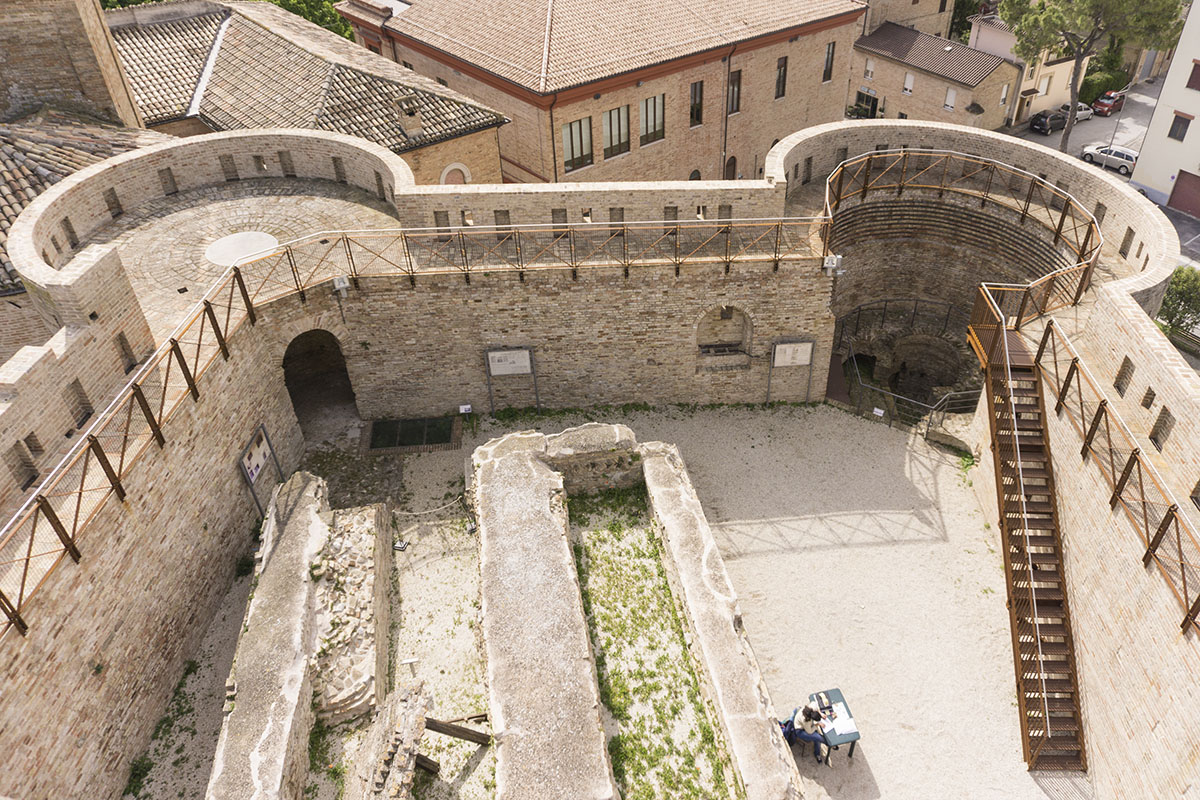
x,y
793,354
509,362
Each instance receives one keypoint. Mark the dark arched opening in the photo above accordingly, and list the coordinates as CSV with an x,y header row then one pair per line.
x,y
731,169
314,371
695,176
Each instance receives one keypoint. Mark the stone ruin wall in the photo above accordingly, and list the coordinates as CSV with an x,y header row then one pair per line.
x,y
543,694
140,623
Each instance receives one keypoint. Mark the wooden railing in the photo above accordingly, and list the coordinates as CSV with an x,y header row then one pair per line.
x,y
52,523
1158,518
891,173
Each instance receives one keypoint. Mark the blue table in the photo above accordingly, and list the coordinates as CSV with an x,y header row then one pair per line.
x,y
833,739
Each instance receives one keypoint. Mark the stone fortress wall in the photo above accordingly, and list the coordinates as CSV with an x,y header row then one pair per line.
x,y
416,347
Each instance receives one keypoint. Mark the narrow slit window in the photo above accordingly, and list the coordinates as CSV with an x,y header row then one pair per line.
x,y
1162,428
1124,376
78,403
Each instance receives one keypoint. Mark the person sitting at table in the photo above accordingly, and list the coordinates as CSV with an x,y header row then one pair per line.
x,y
806,726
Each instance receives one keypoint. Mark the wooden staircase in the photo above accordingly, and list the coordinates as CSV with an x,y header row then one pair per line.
x,y
1043,652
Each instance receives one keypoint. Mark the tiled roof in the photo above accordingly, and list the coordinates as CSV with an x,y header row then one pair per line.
x,y
40,150
942,57
269,68
549,45
164,62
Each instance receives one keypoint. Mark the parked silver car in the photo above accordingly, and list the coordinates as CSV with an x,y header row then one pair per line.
x,y
1082,111
1123,159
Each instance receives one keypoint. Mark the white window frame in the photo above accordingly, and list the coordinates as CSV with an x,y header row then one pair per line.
x,y
908,83
951,97
1044,86
869,72
1004,94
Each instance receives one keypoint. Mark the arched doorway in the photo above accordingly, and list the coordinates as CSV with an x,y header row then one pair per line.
x,y
731,168
695,176
314,371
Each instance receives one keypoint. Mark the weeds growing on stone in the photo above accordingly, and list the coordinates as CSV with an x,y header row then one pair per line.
x,y
138,770
664,743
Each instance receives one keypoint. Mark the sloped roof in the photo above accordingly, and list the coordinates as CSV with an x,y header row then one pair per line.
x,y
549,45
253,65
942,57
39,151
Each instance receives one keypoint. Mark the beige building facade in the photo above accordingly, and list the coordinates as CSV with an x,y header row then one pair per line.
x,y
928,16
703,115
1044,85
899,73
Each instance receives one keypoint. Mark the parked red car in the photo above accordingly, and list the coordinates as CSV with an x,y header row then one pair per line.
x,y
1109,102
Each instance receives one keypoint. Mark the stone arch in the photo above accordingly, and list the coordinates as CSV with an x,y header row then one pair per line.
x,y
314,371
456,173
724,330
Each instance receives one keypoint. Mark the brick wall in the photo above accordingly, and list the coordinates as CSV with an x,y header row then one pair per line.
x,y
477,155
928,16
602,338
59,52
20,325
108,636
531,145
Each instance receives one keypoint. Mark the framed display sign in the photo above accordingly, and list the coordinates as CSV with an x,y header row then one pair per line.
x,y
256,455
792,354
509,362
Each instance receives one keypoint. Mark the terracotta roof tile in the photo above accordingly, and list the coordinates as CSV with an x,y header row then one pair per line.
x,y
549,45
39,151
271,68
935,55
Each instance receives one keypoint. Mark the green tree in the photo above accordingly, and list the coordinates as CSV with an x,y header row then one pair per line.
x,y
1076,29
321,12
960,22
1181,307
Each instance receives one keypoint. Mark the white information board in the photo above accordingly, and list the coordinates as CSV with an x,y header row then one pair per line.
x,y
793,354
256,455
509,362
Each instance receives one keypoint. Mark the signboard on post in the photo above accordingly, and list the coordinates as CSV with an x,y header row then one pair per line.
x,y
509,362
792,354
255,456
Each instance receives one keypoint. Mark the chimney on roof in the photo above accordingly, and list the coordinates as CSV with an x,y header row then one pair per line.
x,y
412,120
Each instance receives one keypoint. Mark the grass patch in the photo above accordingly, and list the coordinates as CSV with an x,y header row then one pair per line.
x,y
178,707
139,769
665,745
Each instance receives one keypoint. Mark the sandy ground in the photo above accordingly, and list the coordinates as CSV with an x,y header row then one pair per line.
x,y
862,562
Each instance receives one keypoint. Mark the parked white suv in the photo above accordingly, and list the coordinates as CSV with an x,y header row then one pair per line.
x,y
1123,159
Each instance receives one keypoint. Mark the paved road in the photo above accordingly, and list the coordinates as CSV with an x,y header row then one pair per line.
x,y
1126,128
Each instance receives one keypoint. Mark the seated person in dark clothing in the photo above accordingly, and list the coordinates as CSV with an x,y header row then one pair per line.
x,y
806,727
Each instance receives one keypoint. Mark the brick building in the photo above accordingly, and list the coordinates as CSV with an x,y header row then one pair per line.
x,y
198,67
662,90
927,16
903,73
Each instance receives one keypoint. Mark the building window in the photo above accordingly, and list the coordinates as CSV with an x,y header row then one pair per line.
x,y
406,65
942,7
128,359
695,176
807,170
1043,86
869,72
735,92
1127,242
1004,95
827,76
442,81
1162,428
901,115
1029,75
1194,78
22,467
1179,127
1099,212
950,97
1148,398
696,115
908,83
1124,376
653,123
616,131
780,77
577,144
374,48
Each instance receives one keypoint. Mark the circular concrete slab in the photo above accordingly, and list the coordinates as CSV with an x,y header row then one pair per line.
x,y
228,249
